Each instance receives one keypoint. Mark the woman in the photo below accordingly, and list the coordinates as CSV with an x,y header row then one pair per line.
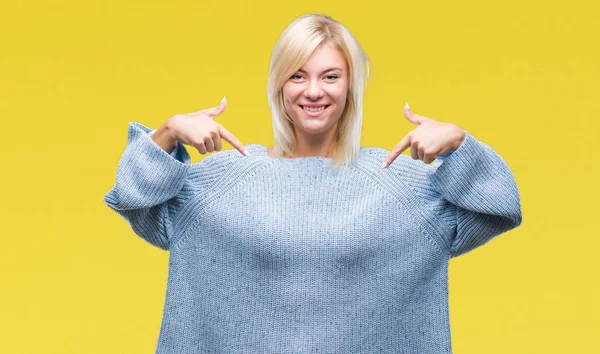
x,y
309,245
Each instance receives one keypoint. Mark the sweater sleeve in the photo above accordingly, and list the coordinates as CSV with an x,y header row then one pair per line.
x,y
149,188
481,186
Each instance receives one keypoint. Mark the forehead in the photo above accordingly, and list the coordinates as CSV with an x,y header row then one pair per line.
x,y
324,57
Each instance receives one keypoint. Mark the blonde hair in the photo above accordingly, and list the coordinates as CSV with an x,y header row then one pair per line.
x,y
291,51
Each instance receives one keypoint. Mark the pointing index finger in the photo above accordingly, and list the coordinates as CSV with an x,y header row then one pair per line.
x,y
231,139
397,150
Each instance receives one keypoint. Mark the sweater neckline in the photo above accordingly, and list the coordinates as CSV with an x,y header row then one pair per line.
x,y
263,150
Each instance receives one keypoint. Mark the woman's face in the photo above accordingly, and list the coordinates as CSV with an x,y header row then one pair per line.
x,y
315,96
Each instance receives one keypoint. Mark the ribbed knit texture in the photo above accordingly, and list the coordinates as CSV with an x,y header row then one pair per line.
x,y
273,255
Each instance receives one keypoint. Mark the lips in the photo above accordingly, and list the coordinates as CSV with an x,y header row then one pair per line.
x,y
314,108
315,112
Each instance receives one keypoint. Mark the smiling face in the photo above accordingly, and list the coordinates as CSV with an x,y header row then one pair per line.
x,y
315,96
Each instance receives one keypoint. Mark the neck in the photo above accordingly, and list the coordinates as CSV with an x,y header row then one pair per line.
x,y
313,145
321,145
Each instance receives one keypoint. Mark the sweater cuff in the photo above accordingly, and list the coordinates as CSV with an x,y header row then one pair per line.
x,y
440,159
179,152
457,165
147,175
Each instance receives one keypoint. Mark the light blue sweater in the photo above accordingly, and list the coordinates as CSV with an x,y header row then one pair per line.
x,y
274,255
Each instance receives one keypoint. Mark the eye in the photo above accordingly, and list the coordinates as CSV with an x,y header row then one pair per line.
x,y
295,77
331,77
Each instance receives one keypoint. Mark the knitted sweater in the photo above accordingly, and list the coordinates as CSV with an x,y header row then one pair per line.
x,y
276,255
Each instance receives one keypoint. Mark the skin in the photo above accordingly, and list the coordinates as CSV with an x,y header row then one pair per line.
x,y
315,135
197,129
429,140
317,83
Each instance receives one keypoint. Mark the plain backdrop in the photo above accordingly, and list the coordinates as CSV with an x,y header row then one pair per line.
x,y
521,76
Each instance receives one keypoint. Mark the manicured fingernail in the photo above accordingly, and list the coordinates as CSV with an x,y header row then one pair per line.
x,y
224,99
246,153
384,164
407,105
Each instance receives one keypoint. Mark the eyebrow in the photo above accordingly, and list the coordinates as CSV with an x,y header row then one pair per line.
x,y
324,71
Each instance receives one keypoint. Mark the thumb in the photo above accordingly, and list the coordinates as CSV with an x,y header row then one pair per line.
x,y
413,118
215,111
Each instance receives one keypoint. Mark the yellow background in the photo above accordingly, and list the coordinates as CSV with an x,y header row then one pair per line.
x,y
521,76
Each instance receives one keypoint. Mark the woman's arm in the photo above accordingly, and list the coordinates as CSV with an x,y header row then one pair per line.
x,y
164,138
483,193
150,186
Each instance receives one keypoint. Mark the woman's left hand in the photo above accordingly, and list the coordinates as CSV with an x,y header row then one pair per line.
x,y
429,140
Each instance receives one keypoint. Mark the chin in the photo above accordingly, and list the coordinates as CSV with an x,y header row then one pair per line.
x,y
314,127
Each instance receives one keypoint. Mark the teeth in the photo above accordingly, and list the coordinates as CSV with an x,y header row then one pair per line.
x,y
313,109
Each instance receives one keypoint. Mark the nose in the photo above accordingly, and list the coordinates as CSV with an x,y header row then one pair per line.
x,y
313,90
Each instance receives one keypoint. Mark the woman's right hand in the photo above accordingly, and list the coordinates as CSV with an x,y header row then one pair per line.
x,y
197,129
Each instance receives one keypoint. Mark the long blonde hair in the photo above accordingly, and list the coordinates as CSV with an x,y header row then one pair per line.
x,y
291,51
